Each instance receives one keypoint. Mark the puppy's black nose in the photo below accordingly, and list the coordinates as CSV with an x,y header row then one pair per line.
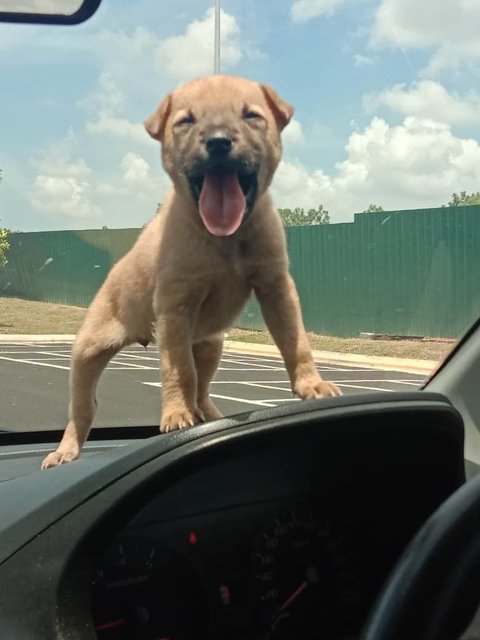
x,y
218,144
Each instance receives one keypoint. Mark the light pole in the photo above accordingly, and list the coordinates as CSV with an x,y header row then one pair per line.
x,y
216,56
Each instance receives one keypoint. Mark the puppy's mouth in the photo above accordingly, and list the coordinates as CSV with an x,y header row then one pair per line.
x,y
225,196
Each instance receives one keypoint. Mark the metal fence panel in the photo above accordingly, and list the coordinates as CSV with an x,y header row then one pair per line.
x,y
396,272
65,267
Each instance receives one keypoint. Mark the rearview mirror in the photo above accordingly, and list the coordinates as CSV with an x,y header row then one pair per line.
x,y
47,11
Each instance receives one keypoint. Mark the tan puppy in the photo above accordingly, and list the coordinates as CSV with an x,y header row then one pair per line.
x,y
216,239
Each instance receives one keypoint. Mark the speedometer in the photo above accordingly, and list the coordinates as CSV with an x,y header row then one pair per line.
x,y
304,578
146,591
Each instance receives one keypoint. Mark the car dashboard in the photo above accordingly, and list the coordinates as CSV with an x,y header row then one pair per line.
x,y
279,524
304,560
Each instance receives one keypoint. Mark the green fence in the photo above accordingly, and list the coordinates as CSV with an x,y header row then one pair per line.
x,y
62,266
398,272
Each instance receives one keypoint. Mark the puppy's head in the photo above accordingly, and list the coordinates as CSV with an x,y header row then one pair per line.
x,y
220,138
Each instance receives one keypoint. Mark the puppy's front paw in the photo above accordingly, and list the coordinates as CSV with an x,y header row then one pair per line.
x,y
60,456
174,418
314,387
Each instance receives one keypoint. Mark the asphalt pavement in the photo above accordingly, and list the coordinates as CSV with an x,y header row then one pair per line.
x,y
34,385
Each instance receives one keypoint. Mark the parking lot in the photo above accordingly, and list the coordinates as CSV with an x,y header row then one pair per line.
x,y
34,385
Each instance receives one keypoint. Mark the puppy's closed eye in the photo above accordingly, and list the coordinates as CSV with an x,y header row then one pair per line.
x,y
252,115
185,120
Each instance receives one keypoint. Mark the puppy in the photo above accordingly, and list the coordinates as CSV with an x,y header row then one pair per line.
x,y
216,239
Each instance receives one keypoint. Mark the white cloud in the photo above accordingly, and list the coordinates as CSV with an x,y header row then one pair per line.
x,y
107,99
105,104
65,196
427,99
120,127
65,187
191,54
64,184
137,58
293,133
138,180
304,10
416,164
405,21
117,48
449,27
136,170
360,60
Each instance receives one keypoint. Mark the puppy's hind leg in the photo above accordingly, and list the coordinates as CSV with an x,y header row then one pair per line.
x,y
91,353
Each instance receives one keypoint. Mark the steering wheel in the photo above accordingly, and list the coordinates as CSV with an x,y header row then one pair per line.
x,y
434,590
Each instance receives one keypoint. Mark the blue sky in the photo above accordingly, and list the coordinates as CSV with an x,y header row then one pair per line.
x,y
387,110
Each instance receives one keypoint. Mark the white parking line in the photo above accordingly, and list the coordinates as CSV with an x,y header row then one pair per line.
x,y
336,381
246,358
249,369
49,359
249,383
355,370
358,386
65,355
261,366
131,365
265,368
258,403
37,364
264,386
293,399
132,355
29,352
341,383
129,368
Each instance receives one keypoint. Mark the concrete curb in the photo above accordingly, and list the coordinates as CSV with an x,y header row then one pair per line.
x,y
7,338
406,365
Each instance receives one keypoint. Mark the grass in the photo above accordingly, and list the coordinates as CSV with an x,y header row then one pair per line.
x,y
30,317
418,349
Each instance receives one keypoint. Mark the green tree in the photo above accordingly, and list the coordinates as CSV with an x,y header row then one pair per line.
x,y
373,208
4,244
463,199
299,217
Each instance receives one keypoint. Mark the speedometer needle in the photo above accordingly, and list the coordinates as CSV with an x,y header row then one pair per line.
x,y
311,577
111,625
291,598
298,591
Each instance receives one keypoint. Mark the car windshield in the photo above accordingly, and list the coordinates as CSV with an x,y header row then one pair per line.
x,y
378,190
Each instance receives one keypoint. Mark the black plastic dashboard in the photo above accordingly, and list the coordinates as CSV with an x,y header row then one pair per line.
x,y
279,524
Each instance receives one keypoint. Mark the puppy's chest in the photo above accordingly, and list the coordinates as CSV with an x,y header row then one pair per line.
x,y
231,275
230,278
237,259
232,263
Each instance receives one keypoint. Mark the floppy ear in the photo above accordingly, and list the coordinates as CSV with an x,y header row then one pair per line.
x,y
155,125
280,109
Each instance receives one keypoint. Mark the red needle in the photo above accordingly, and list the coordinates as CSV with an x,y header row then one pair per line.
x,y
110,625
294,595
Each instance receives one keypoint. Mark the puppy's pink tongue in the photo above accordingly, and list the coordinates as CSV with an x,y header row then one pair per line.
x,y
222,203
